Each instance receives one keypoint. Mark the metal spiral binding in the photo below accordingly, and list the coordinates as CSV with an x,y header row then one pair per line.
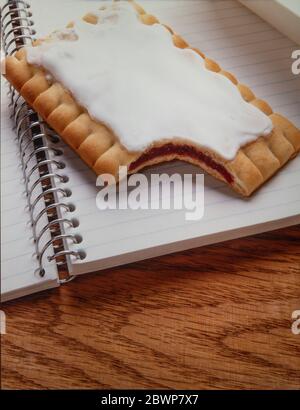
x,y
37,144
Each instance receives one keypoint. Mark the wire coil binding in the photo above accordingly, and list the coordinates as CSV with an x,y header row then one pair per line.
x,y
38,155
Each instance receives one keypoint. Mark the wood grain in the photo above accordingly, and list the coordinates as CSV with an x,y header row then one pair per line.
x,y
212,317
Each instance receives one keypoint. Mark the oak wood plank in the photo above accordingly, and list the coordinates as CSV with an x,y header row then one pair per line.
x,y
212,317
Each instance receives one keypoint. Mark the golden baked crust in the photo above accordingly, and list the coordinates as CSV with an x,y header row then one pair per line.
x,y
97,145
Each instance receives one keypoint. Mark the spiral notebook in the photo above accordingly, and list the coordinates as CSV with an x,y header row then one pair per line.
x,y
51,229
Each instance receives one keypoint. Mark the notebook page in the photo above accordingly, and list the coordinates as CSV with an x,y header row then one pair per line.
x,y
260,57
18,259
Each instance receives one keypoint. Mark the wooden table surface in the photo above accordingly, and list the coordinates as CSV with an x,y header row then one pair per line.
x,y
212,317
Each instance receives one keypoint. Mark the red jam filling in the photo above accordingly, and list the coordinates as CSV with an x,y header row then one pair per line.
x,y
184,150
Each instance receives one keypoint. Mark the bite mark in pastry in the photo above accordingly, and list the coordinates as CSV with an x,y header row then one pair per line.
x,y
144,96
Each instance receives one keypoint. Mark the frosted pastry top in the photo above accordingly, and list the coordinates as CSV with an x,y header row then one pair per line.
x,y
132,77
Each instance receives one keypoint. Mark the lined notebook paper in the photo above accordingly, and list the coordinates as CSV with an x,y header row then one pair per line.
x,y
18,259
260,57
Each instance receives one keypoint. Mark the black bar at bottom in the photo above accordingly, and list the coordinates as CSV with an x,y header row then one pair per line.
x,y
95,399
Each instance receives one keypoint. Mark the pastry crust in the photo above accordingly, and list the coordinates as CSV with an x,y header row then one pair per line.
x,y
97,145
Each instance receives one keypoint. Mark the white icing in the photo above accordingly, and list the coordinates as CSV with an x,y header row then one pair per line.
x,y
131,77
